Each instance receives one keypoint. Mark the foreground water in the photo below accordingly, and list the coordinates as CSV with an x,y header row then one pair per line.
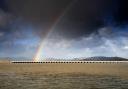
x,y
64,76
61,81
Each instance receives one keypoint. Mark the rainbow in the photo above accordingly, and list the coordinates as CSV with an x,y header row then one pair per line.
x,y
57,20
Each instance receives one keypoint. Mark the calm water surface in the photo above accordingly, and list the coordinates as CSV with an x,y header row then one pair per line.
x,y
61,81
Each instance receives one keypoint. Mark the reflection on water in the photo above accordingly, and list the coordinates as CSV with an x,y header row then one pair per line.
x,y
62,81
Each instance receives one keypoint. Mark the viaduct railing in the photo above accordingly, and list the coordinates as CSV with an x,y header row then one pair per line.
x,y
70,62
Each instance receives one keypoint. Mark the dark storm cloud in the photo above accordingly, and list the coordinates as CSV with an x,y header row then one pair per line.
x,y
82,18
42,12
87,17
3,5
121,15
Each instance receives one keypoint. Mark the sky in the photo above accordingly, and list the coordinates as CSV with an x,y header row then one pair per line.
x,y
68,28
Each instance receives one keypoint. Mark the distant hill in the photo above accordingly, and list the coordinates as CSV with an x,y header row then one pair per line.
x,y
102,58
96,58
